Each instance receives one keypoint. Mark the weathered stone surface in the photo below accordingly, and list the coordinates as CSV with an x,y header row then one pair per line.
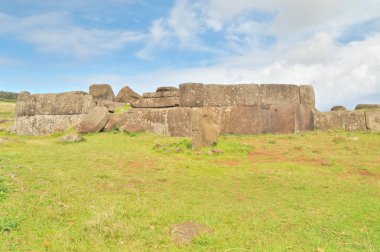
x,y
127,95
132,128
273,94
204,129
102,92
164,102
338,108
231,95
291,118
304,118
184,233
373,119
161,94
70,103
164,121
179,122
283,118
244,120
113,122
94,121
346,120
45,124
307,95
166,89
367,106
191,95
110,105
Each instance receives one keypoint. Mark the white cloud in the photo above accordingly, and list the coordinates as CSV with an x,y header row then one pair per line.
x,y
54,33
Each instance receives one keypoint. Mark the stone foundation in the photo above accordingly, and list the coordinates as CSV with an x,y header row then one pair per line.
x,y
45,124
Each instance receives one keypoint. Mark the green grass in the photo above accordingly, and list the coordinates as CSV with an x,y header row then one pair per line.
x,y
7,109
114,192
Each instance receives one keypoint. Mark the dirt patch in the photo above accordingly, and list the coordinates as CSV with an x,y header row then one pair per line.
x,y
228,163
184,233
277,156
362,173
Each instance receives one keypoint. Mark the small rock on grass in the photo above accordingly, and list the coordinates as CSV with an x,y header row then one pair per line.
x,y
72,138
184,233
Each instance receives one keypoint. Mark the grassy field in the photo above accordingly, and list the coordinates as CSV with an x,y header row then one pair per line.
x,y
7,109
117,192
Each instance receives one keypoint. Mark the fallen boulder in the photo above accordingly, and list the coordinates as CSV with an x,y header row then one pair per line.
x,y
102,92
94,121
127,95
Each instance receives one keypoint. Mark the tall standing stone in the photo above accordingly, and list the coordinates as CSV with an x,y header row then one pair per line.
x,y
204,130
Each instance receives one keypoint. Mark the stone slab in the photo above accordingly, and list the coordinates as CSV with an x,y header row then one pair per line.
x,y
216,95
373,120
161,94
344,120
244,120
45,124
165,121
307,95
70,103
191,95
273,94
164,102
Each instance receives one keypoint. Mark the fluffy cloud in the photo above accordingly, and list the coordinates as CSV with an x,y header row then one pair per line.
x,y
55,33
279,41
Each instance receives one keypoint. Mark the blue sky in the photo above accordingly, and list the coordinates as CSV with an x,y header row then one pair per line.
x,y
56,46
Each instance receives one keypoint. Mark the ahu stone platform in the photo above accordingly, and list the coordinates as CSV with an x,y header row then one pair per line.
x,y
190,109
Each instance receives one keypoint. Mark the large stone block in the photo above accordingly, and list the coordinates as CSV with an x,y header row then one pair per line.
x,y
70,103
204,129
307,95
191,95
346,120
94,121
161,94
102,92
244,120
373,119
127,95
283,118
291,118
304,118
164,102
216,95
164,121
272,94
179,122
45,124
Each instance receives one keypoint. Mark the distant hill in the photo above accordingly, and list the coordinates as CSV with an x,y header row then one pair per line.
x,y
8,96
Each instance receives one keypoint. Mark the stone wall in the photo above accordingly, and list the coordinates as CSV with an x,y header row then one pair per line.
x,y
42,114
